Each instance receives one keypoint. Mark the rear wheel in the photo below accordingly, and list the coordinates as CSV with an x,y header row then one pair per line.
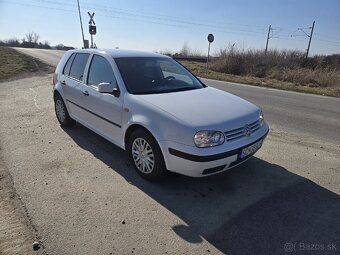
x,y
62,113
146,155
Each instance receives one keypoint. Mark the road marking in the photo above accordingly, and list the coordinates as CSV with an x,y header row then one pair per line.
x,y
35,98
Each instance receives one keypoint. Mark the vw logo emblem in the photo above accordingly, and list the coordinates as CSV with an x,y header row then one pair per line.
x,y
246,130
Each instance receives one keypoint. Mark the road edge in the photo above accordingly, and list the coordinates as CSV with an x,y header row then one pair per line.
x,y
18,232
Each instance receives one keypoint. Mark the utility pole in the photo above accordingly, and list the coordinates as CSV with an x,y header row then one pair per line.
x,y
269,29
81,25
310,39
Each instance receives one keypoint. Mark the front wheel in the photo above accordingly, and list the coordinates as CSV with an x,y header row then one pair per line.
x,y
146,155
62,113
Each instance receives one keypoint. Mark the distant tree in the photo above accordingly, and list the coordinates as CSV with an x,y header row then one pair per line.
x,y
32,37
13,42
30,40
45,45
60,46
185,51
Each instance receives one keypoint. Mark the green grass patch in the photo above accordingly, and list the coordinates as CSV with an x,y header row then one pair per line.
x,y
199,69
14,64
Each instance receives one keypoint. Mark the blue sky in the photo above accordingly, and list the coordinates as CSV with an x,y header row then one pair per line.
x,y
157,25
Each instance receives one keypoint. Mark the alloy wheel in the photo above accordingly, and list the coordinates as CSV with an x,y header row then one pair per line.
x,y
143,155
60,110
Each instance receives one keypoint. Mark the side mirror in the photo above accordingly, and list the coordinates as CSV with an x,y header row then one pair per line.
x,y
110,88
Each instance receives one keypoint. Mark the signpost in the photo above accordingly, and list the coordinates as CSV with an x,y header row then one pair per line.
x,y
92,27
210,40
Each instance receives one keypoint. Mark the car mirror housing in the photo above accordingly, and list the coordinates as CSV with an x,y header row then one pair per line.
x,y
111,88
105,87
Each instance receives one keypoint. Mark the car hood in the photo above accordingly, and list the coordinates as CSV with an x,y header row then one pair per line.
x,y
206,109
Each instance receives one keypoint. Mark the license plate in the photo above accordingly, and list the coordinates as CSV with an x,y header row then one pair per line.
x,y
250,149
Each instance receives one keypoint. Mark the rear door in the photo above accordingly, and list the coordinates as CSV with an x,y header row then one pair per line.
x,y
103,110
73,80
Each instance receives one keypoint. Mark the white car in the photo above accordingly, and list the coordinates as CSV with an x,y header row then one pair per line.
x,y
153,107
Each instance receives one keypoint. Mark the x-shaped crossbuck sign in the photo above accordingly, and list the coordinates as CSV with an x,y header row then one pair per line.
x,y
91,18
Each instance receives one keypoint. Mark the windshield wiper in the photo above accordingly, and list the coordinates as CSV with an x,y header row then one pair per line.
x,y
181,89
166,91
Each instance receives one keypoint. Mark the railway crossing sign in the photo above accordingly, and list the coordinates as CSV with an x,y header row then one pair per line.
x,y
91,22
92,27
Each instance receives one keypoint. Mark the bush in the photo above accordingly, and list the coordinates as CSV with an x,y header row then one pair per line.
x,y
285,65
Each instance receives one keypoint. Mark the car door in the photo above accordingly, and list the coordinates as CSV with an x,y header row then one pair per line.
x,y
104,110
73,80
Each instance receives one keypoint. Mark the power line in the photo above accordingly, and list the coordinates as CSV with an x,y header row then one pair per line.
x,y
120,16
161,18
303,30
152,14
322,40
166,20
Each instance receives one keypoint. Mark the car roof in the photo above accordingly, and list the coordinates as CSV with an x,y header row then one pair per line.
x,y
120,53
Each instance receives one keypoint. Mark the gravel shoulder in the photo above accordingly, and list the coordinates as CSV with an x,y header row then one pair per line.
x,y
17,233
83,197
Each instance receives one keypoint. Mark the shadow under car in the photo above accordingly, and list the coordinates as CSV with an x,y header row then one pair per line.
x,y
255,208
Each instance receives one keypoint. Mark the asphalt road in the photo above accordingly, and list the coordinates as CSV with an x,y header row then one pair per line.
x,y
83,196
311,115
50,57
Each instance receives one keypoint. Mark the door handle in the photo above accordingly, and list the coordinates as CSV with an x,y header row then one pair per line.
x,y
86,93
63,83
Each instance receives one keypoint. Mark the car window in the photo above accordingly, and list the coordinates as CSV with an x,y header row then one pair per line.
x,y
100,71
67,67
78,66
170,70
153,75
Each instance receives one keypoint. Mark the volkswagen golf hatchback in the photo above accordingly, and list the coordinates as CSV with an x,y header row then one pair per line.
x,y
159,112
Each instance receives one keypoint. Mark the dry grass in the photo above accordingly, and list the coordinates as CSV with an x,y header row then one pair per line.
x,y
284,69
285,65
269,81
307,77
15,64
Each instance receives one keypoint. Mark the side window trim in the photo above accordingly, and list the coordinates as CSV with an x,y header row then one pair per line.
x,y
73,56
88,72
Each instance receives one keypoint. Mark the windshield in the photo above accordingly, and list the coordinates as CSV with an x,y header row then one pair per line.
x,y
148,75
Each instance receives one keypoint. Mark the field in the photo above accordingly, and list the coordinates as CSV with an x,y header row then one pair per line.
x,y
286,70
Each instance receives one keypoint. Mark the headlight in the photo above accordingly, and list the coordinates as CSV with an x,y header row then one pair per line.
x,y
208,138
261,118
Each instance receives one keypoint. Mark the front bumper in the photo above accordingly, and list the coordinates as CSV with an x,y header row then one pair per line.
x,y
199,162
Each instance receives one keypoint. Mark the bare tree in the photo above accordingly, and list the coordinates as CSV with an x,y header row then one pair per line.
x,y
185,51
32,37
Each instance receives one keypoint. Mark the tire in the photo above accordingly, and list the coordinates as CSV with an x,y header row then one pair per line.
x,y
62,113
146,155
